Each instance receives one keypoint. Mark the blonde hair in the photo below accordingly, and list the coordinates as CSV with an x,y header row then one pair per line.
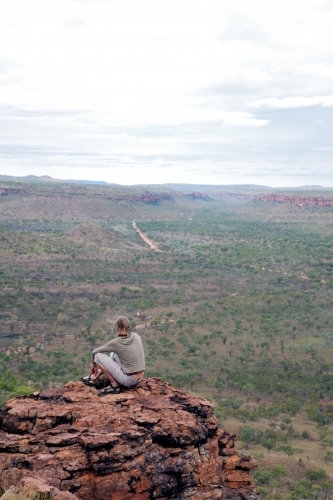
x,y
122,326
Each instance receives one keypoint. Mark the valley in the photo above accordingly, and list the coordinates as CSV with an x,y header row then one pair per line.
x,y
236,306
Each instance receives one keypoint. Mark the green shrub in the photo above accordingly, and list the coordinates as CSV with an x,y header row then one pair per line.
x,y
316,474
261,477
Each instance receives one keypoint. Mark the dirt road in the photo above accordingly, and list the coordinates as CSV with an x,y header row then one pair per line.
x,y
147,240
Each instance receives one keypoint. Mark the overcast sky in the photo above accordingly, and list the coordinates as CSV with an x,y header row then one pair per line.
x,y
151,91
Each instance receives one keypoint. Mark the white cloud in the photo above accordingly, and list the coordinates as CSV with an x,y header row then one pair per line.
x,y
76,23
292,102
243,120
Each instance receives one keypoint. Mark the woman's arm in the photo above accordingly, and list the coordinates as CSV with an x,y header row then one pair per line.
x,y
105,348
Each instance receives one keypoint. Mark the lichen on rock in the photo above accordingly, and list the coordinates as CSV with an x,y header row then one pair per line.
x,y
152,441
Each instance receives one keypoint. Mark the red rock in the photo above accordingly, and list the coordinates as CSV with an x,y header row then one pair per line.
x,y
33,486
152,441
297,200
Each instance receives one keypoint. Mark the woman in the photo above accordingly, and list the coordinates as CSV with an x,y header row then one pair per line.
x,y
126,363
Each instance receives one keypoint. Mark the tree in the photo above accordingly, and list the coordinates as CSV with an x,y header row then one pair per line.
x,y
249,435
278,471
193,349
269,444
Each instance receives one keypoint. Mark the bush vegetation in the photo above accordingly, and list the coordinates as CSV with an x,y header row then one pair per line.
x,y
237,307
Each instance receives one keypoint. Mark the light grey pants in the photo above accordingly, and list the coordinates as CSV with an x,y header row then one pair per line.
x,y
113,366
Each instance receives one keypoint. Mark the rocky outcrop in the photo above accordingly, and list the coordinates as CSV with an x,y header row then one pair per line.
x,y
153,441
297,200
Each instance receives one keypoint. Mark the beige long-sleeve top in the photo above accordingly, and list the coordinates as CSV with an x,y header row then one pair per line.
x,y
129,350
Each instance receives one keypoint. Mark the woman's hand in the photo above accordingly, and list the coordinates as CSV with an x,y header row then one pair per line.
x,y
93,368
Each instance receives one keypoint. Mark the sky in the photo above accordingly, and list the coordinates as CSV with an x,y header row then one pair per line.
x,y
155,91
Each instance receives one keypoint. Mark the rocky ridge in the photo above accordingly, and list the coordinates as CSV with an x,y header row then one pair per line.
x,y
300,201
146,197
152,441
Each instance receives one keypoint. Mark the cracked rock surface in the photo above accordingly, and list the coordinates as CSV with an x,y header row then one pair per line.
x,y
152,441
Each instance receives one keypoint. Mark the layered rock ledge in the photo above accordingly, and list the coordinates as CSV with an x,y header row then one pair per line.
x,y
152,441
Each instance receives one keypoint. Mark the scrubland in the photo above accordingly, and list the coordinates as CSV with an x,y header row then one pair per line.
x,y
237,308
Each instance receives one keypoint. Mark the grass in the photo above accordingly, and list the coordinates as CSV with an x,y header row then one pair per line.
x,y
15,494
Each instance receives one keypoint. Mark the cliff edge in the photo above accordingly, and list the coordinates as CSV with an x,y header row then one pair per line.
x,y
152,441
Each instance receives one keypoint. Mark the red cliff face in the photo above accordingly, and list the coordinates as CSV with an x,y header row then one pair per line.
x,y
149,442
297,200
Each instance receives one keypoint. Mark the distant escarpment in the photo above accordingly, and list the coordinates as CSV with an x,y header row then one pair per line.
x,y
320,201
300,201
150,197
153,441
77,191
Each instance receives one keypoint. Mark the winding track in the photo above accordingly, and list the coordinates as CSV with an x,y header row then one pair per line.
x,y
151,243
